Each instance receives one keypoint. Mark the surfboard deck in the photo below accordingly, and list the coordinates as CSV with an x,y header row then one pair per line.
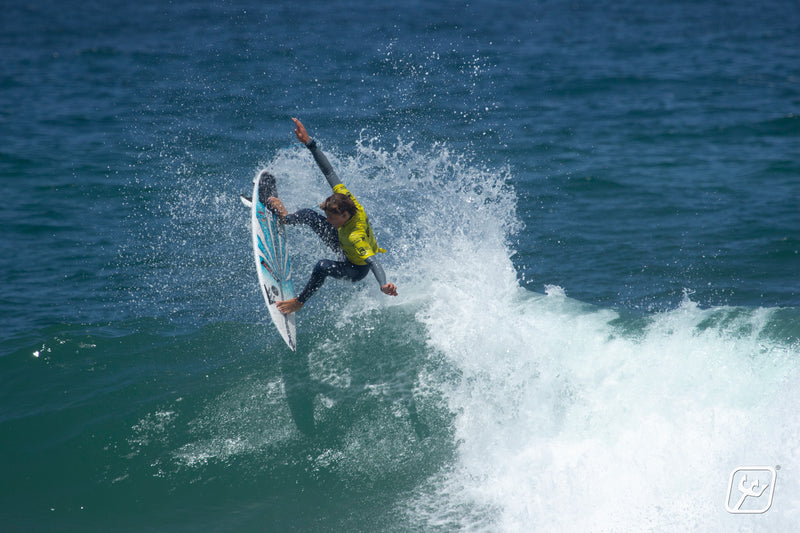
x,y
271,255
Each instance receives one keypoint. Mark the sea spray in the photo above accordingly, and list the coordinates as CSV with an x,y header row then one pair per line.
x,y
569,416
562,415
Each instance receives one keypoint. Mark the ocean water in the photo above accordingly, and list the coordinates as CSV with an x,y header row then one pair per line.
x,y
592,212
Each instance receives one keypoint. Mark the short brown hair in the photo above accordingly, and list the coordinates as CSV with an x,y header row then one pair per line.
x,y
339,204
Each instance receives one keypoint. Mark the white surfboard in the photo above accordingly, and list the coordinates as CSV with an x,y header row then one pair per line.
x,y
272,257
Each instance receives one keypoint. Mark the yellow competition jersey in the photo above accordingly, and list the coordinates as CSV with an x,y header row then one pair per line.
x,y
356,237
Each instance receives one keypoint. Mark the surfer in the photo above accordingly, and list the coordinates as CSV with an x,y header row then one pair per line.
x,y
345,229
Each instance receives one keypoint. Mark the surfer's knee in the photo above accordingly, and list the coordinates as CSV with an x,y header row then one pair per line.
x,y
324,266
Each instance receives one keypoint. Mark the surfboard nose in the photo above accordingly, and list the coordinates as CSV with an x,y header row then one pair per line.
x,y
266,186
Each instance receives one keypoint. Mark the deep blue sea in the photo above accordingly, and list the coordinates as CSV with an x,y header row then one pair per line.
x,y
592,212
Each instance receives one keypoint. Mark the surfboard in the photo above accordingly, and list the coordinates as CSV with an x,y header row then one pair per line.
x,y
271,254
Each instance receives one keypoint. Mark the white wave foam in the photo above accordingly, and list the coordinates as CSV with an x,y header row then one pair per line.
x,y
565,424
569,417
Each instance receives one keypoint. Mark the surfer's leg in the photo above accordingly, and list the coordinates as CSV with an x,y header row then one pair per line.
x,y
335,269
322,270
319,225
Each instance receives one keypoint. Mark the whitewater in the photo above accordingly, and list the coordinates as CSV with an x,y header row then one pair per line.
x,y
565,416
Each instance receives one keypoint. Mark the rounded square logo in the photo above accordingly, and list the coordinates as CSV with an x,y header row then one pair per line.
x,y
750,489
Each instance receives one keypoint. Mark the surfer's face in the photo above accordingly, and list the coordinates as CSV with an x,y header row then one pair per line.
x,y
336,220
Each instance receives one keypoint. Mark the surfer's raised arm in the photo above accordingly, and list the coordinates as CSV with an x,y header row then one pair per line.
x,y
322,161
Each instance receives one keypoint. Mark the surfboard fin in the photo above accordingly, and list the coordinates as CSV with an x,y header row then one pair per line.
x,y
246,200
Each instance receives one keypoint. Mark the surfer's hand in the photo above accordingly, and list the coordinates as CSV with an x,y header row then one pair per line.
x,y
300,131
277,205
389,289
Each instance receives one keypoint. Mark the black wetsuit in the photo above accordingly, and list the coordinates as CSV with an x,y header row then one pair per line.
x,y
328,234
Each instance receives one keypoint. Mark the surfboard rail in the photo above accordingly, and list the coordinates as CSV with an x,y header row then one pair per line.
x,y
271,255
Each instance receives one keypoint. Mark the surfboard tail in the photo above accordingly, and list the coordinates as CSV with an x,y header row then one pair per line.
x,y
285,324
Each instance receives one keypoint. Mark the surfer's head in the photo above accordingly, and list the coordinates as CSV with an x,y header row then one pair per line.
x,y
338,208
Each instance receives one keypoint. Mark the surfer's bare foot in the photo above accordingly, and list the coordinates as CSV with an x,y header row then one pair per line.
x,y
278,207
289,306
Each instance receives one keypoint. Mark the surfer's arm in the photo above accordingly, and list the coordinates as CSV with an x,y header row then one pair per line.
x,y
323,164
380,275
322,161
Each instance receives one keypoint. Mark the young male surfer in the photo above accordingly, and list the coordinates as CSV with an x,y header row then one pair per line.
x,y
345,228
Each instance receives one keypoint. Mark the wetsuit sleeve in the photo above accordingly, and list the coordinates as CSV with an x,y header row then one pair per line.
x,y
323,164
377,269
